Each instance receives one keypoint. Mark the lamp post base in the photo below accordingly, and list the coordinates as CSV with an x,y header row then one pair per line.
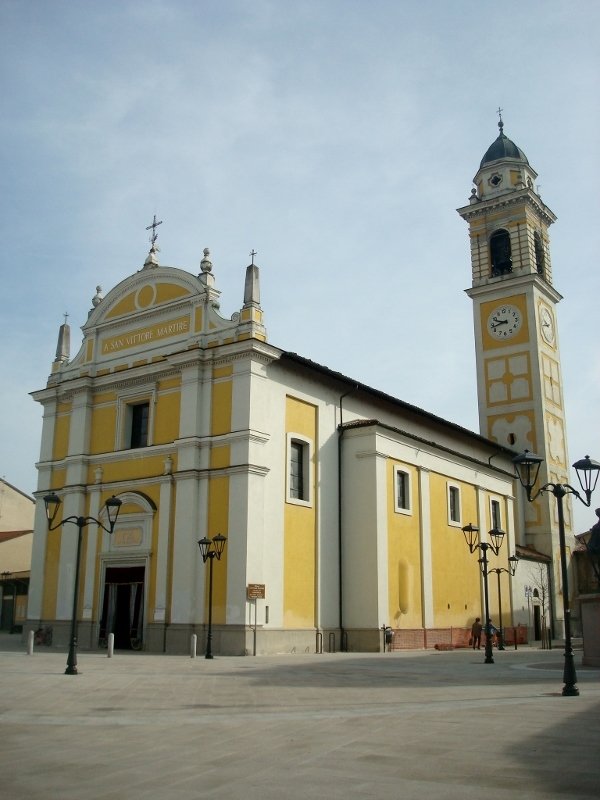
x,y
570,691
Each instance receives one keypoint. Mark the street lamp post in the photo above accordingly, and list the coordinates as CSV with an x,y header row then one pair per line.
x,y
52,502
209,550
528,595
496,537
527,468
513,560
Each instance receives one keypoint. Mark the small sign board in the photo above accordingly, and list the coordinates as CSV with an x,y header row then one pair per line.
x,y
255,591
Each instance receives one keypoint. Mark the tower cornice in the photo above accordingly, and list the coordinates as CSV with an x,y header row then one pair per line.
x,y
514,284
482,208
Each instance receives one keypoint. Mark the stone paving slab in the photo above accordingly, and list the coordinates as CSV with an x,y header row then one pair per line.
x,y
395,725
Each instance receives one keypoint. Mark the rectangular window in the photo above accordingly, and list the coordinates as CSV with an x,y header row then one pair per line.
x,y
402,490
297,458
454,503
495,514
139,425
299,482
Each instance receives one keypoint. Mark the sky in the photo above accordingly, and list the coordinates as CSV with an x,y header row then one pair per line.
x,y
337,138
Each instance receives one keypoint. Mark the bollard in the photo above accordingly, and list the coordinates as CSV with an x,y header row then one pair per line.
x,y
193,642
111,645
30,636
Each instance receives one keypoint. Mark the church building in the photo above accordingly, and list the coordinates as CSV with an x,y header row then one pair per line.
x,y
342,507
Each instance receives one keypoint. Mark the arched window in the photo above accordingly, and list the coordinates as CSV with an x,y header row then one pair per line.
x,y
539,253
500,254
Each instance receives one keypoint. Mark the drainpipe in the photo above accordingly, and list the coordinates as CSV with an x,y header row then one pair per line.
x,y
340,559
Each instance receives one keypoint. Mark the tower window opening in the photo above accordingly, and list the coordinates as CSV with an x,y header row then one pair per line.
x,y
540,261
500,253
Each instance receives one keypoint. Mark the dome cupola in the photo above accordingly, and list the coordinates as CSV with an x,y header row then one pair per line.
x,y
503,148
504,168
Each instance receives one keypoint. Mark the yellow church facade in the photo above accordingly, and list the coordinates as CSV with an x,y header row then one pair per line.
x,y
345,505
200,426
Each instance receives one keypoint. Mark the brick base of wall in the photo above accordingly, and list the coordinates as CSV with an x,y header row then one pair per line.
x,y
448,638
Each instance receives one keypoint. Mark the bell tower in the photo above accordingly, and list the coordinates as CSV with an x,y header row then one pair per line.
x,y
519,380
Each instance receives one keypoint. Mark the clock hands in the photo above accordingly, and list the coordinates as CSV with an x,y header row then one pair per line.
x,y
497,322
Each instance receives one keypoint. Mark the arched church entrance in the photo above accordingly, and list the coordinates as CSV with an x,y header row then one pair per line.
x,y
123,607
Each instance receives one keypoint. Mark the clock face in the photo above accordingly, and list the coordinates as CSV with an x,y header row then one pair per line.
x,y
504,321
547,324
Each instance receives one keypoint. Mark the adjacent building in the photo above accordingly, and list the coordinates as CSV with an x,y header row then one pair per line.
x,y
16,538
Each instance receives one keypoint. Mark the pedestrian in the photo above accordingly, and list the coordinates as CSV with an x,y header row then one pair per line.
x,y
476,629
493,634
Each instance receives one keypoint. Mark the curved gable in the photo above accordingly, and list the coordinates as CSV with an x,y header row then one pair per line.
x,y
148,295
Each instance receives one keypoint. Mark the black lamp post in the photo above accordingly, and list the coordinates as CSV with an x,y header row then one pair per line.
x,y
52,502
513,561
209,550
496,538
527,468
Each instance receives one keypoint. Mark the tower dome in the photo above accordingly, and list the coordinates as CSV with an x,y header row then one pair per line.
x,y
502,148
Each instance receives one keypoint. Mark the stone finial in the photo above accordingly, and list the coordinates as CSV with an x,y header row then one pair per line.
x,y
252,286
152,259
98,297
168,466
63,347
206,263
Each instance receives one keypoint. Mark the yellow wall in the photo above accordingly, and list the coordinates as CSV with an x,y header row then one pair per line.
x,y
61,431
51,574
455,572
299,576
138,464
104,420
404,554
218,522
222,394
166,413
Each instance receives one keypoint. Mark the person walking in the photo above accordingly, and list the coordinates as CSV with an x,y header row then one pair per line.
x,y
476,629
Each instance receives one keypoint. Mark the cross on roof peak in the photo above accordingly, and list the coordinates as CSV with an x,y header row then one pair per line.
x,y
154,235
500,123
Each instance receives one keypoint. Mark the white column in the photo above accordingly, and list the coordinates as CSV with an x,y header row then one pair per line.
x,y
89,567
80,426
383,598
38,559
189,527
73,505
426,559
162,548
40,524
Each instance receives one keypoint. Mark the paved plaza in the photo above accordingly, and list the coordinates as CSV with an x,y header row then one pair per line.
x,y
440,725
